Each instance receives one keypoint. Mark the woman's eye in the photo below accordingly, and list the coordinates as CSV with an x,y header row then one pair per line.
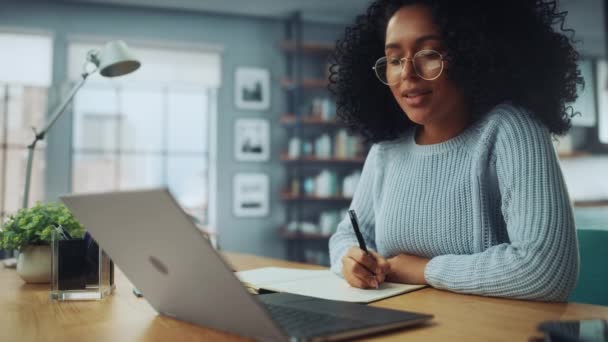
x,y
393,61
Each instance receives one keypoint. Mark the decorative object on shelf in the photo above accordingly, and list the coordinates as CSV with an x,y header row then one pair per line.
x,y
323,146
323,108
303,227
349,183
251,194
309,186
326,184
329,219
307,148
346,146
294,148
252,88
252,140
334,146
114,60
30,232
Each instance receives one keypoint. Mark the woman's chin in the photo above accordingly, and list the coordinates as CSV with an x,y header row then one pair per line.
x,y
418,116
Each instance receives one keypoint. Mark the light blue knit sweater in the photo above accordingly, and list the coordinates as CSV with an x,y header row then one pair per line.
x,y
489,207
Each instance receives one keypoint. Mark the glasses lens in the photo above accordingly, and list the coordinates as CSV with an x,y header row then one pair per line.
x,y
429,64
388,70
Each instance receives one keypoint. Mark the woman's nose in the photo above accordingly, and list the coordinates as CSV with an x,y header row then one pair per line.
x,y
407,69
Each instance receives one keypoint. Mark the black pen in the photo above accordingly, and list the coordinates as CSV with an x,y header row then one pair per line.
x,y
355,224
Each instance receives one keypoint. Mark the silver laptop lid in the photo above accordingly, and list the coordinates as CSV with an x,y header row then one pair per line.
x,y
151,239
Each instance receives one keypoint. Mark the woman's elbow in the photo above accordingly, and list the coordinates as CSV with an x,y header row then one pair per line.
x,y
556,282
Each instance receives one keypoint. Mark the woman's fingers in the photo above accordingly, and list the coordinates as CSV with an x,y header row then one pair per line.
x,y
367,260
382,267
374,262
358,275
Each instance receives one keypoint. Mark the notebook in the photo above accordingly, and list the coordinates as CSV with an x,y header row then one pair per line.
x,y
317,283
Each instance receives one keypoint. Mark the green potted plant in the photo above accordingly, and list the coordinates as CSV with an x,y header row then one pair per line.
x,y
29,231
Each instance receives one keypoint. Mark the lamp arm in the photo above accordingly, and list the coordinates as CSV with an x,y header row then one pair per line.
x,y
40,136
60,110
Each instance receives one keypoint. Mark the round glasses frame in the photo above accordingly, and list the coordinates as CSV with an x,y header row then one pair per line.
x,y
375,68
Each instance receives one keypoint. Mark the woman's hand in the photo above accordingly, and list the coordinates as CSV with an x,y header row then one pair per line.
x,y
407,269
364,270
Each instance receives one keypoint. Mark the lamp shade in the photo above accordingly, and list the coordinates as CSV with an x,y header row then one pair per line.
x,y
116,60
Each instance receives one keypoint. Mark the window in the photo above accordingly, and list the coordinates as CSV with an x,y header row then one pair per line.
x,y
602,91
148,129
25,77
585,103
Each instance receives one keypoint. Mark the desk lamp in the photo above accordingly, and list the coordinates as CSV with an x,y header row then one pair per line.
x,y
113,60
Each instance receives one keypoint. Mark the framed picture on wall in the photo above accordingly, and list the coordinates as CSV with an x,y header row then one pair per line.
x,y
252,88
252,140
251,194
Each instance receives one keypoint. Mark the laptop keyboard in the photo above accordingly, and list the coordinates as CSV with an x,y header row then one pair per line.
x,y
300,323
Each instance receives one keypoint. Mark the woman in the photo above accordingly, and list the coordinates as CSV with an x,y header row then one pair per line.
x,y
462,189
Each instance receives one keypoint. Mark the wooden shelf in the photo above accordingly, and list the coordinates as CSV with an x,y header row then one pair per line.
x,y
572,155
289,235
598,203
286,159
296,198
307,83
308,47
292,120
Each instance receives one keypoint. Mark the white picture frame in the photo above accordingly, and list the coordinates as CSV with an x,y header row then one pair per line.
x,y
251,193
252,140
252,88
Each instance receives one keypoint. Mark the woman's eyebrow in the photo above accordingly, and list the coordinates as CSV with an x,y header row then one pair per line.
x,y
427,37
418,41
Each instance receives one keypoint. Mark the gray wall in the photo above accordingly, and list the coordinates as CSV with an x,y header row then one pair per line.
x,y
586,17
245,42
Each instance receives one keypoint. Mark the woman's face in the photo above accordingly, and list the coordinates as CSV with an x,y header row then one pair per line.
x,y
410,30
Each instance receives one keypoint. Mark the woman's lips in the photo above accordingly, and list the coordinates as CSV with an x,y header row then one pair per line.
x,y
416,98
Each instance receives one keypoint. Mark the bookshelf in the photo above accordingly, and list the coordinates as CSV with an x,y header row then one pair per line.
x,y
322,159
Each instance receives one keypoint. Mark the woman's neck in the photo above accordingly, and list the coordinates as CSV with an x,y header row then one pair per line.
x,y
443,130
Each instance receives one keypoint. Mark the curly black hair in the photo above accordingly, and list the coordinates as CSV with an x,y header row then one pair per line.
x,y
515,50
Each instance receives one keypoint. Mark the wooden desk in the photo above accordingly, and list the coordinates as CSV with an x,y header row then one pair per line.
x,y
26,314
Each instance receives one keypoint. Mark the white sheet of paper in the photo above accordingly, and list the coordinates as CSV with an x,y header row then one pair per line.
x,y
318,283
274,275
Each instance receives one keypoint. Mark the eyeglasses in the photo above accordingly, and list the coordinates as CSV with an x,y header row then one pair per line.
x,y
428,65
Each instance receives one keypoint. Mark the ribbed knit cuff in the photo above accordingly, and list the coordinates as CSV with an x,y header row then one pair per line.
x,y
336,266
432,273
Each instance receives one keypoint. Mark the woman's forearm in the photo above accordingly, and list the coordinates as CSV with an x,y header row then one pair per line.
x,y
407,269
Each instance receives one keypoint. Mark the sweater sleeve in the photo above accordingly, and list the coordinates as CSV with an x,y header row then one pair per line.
x,y
540,262
362,203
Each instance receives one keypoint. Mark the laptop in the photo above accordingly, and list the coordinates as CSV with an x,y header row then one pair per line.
x,y
163,253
